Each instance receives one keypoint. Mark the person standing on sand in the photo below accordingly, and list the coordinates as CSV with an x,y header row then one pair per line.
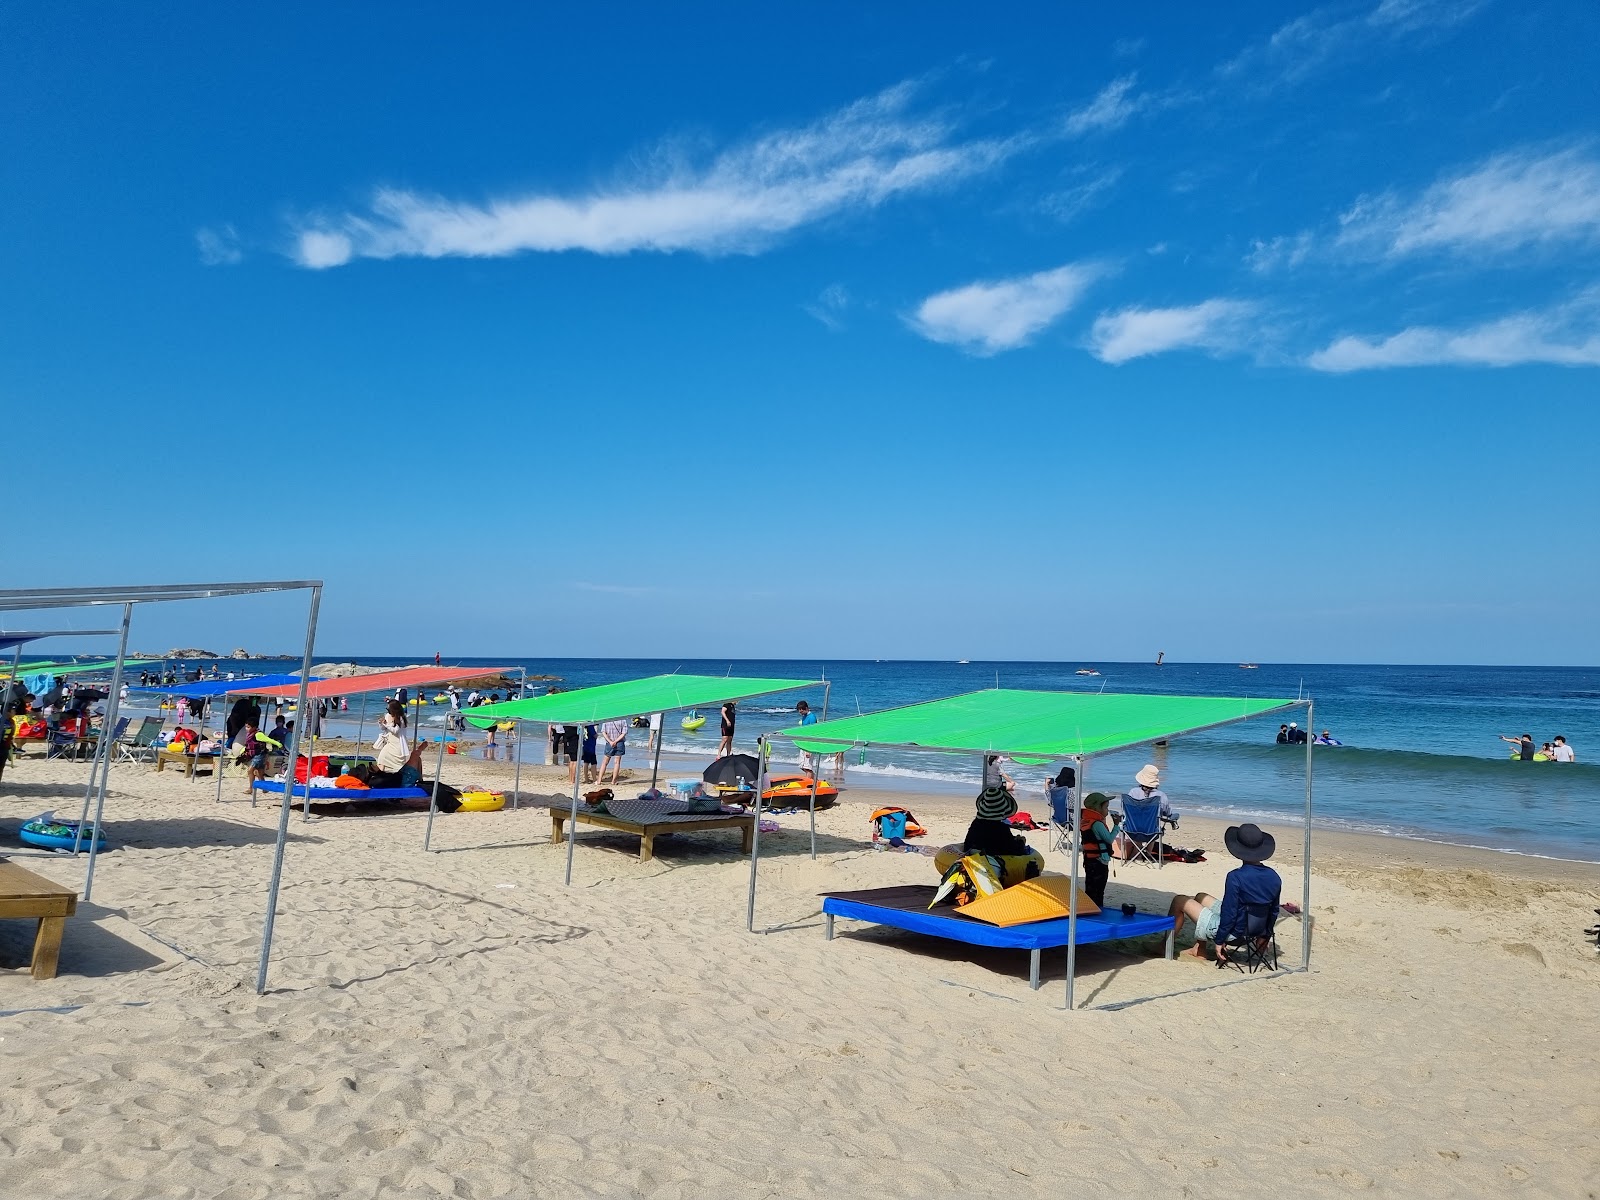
x,y
1562,752
615,734
807,717
591,757
730,714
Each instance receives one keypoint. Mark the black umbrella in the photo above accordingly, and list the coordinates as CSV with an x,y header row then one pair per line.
x,y
731,769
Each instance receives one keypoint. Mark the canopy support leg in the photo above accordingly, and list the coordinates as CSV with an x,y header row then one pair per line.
x,y
288,795
113,703
655,766
516,730
572,817
433,798
1305,881
755,832
816,772
1075,808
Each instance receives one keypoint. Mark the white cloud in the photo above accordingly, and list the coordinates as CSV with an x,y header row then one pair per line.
x,y
1002,314
1568,336
1110,109
1513,201
1217,326
744,199
1280,252
830,305
219,247
1072,202
1307,44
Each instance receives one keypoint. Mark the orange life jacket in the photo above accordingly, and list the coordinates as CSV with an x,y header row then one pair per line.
x,y
1093,847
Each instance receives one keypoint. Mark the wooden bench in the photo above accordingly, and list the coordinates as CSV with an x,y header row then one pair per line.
x,y
188,761
24,894
649,827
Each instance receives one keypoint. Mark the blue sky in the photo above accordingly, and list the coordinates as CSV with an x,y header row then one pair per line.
x,y
814,331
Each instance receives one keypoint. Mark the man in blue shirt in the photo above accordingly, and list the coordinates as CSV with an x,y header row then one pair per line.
x,y
807,717
1253,882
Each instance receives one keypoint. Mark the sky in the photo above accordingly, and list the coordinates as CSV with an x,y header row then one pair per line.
x,y
1263,333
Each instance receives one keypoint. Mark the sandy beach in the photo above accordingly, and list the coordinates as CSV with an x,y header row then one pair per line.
x,y
460,1024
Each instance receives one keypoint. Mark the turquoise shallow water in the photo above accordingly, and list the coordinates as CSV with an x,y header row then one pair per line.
x,y
1420,755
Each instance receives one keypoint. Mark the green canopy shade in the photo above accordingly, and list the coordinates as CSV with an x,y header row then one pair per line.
x,y
635,698
48,668
1042,725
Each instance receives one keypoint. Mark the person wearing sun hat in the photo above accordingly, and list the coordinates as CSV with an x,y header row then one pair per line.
x,y
1147,786
1252,882
989,833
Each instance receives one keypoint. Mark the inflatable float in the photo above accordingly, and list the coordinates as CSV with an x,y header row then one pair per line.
x,y
50,834
788,789
692,722
482,801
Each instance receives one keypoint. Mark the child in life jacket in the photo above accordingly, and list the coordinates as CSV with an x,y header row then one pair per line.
x,y
1097,833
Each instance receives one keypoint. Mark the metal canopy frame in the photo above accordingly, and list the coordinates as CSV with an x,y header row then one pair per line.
x,y
1081,762
30,599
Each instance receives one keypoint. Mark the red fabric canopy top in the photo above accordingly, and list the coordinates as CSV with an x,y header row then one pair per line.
x,y
381,681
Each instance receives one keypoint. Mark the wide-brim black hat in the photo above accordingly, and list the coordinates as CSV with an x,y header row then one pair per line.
x,y
1249,842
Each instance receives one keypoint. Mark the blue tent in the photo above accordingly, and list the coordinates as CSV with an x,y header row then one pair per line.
x,y
217,687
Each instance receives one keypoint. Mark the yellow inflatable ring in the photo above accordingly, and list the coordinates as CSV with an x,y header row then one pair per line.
x,y
1014,866
482,801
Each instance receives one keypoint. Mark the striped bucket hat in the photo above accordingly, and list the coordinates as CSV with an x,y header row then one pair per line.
x,y
996,804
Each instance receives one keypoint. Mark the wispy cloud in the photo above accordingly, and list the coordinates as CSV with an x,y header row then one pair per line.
x,y
614,589
1512,201
744,199
219,247
1110,109
1217,326
830,305
1281,252
1567,335
1072,202
1318,39
1001,314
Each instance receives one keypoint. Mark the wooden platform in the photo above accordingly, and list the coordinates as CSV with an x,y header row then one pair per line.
x,y
24,894
650,823
187,761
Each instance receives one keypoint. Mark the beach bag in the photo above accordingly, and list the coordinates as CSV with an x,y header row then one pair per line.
x,y
895,822
319,767
1022,820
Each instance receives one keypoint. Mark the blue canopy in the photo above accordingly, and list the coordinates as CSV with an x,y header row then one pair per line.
x,y
217,687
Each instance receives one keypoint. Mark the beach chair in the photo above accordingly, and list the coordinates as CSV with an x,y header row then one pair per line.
x,y
1060,799
1141,826
1256,947
141,747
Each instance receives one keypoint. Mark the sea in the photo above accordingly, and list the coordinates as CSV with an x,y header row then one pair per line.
x,y
1420,756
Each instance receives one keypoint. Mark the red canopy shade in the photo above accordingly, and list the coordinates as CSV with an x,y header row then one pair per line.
x,y
380,681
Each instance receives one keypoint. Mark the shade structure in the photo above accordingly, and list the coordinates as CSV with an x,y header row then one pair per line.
x,y
377,681
636,698
1072,725
633,698
222,687
1037,724
10,639
80,668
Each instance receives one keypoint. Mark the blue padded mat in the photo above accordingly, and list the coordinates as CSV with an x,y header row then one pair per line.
x,y
410,793
907,908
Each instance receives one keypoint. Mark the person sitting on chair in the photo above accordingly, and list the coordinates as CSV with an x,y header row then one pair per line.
x,y
1252,882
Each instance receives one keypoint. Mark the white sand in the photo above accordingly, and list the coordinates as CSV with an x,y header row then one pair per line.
x,y
461,1024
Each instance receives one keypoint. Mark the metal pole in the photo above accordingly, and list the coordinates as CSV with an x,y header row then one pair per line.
x,y
113,702
572,817
1305,882
816,773
288,795
516,728
433,799
655,767
755,832
1075,808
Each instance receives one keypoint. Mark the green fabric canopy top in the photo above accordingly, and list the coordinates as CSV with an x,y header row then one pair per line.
x,y
1040,724
49,668
634,698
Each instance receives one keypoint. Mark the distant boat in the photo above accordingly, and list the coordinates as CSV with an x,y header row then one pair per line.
x,y
1248,667
1087,671
1160,654
961,662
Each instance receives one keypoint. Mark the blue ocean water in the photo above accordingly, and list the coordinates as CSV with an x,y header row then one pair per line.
x,y
1421,756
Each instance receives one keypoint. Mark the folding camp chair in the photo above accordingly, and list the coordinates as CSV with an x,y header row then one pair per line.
x,y
141,747
1060,799
1255,946
1141,825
